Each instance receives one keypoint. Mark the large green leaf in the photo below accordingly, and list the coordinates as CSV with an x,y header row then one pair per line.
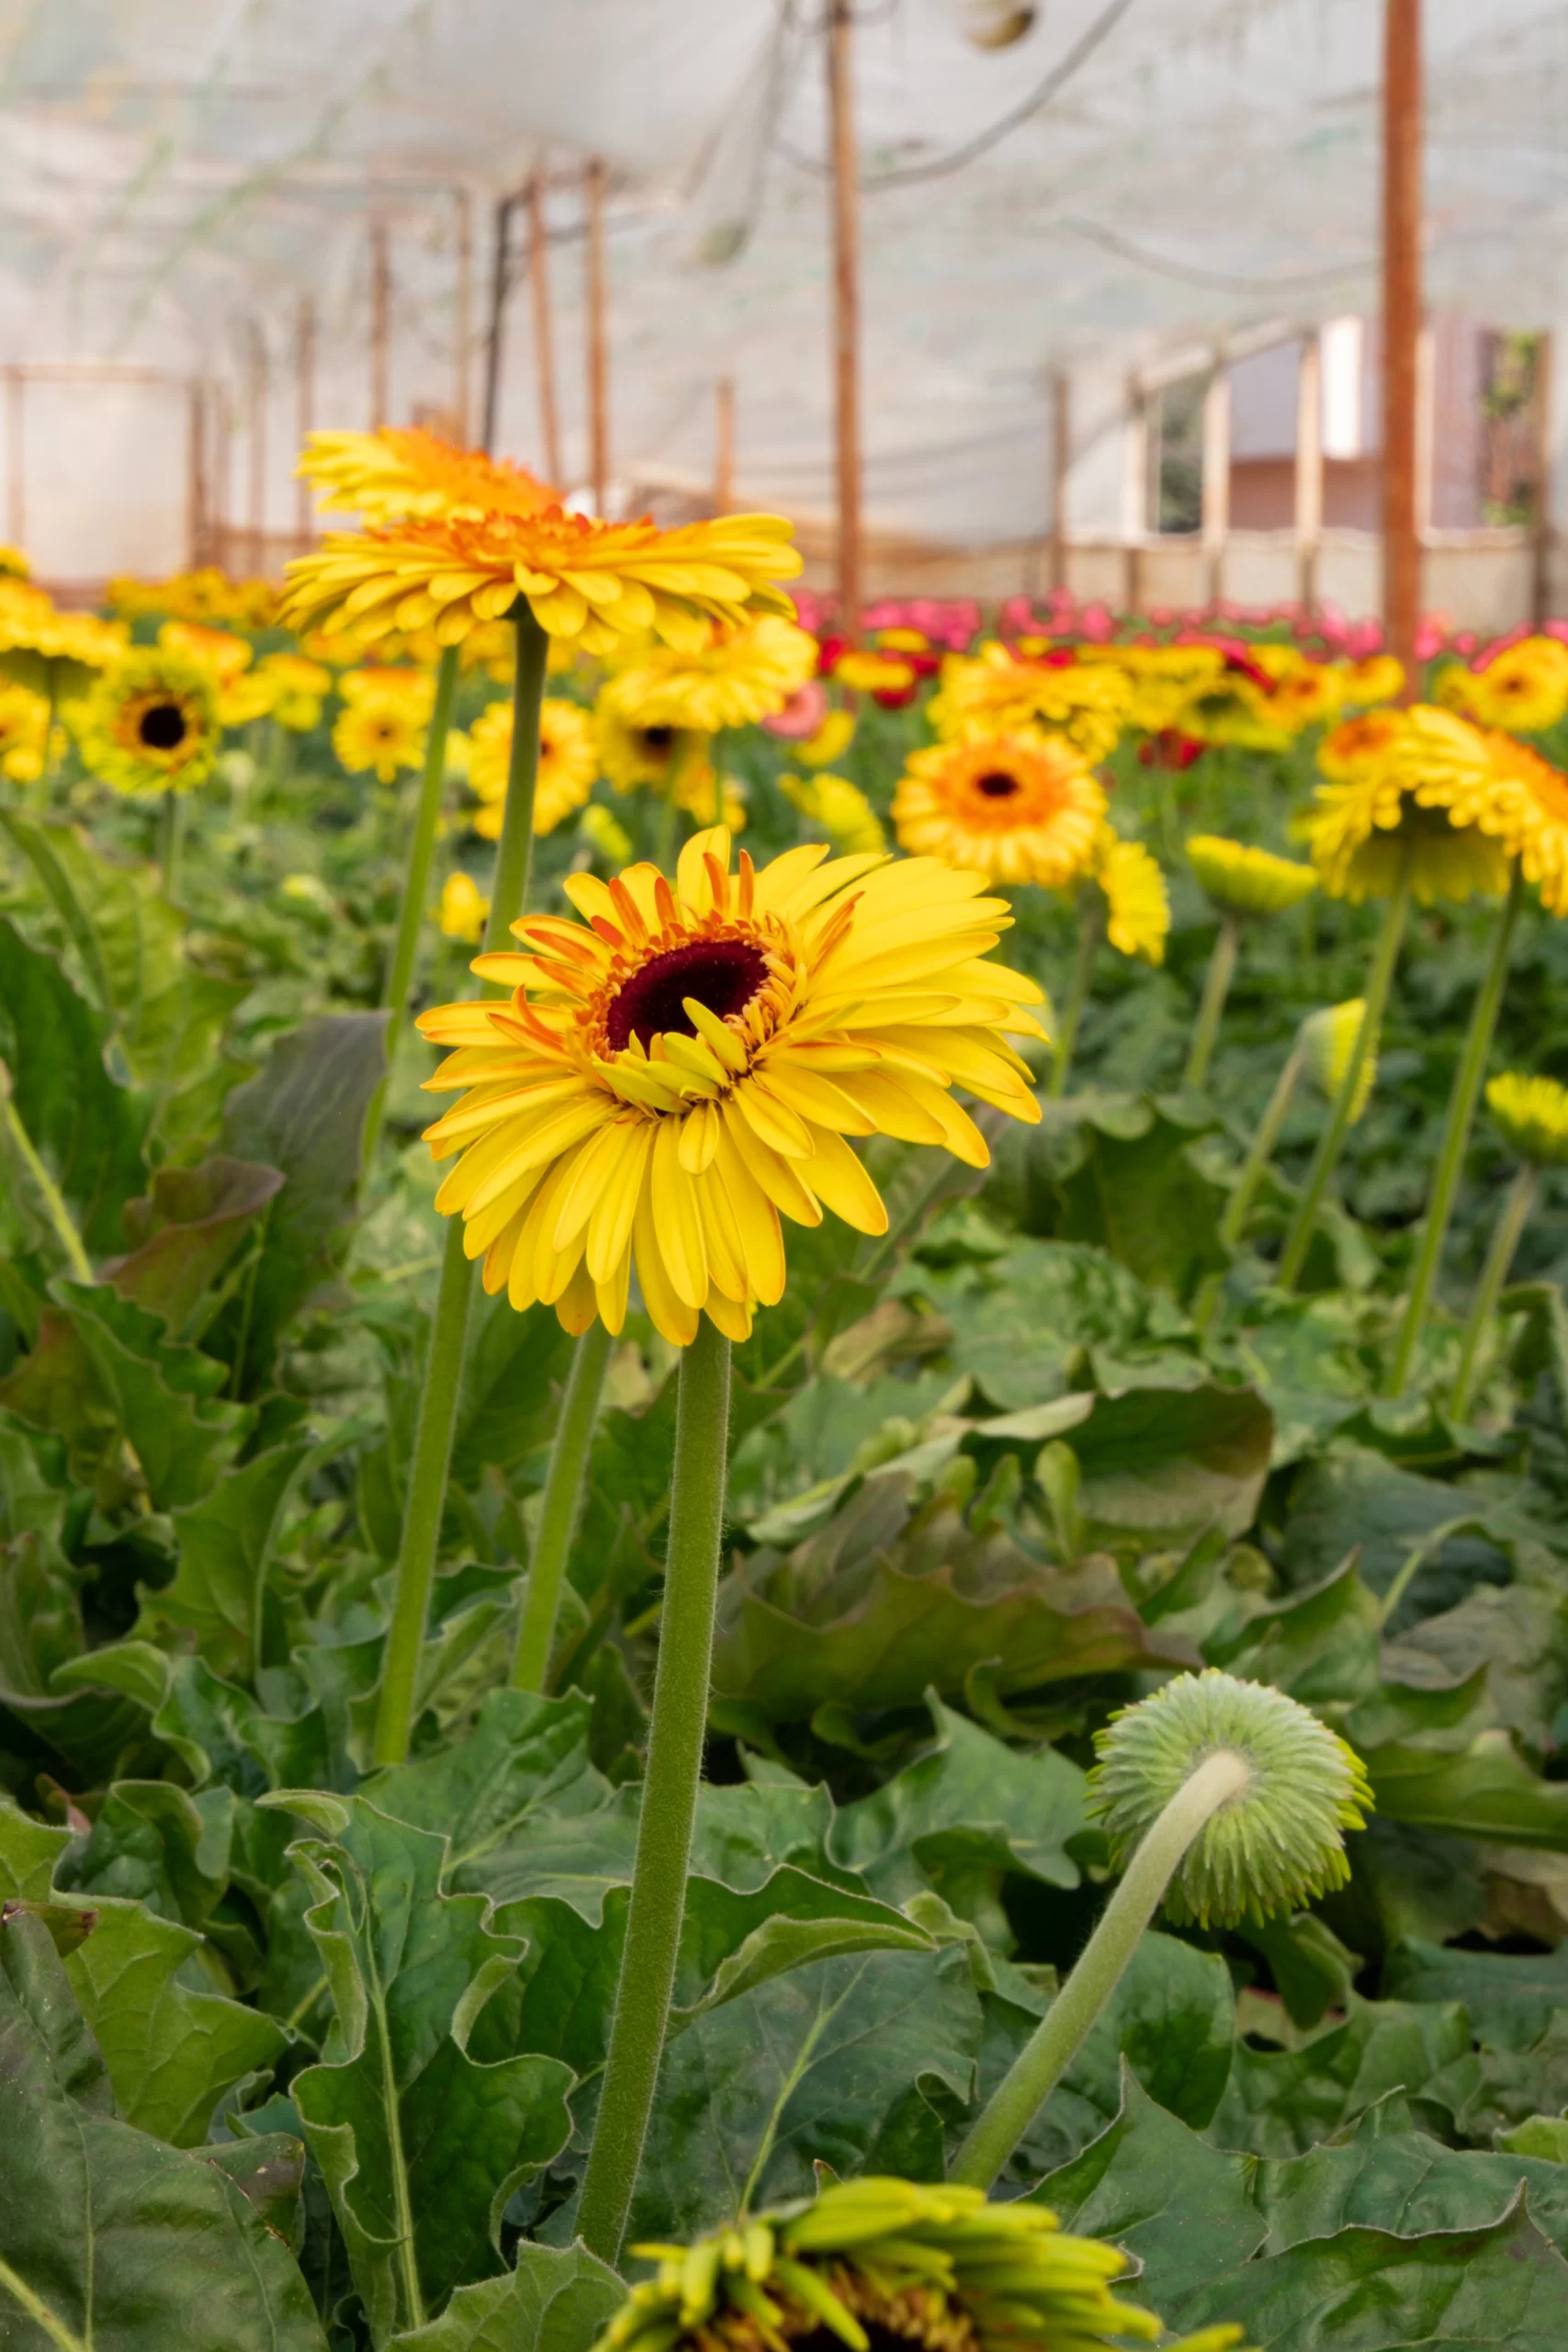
x,y
1354,1499
1165,1464
1024,1327
167,1397
524,1760
87,1129
1321,1646
1280,2103
1510,1997
1487,1793
421,2119
1120,1169
225,1543
112,2241
185,1231
559,2299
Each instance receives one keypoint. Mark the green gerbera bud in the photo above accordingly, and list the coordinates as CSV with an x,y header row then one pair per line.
x,y
1245,881
1532,1117
1328,1039
873,2264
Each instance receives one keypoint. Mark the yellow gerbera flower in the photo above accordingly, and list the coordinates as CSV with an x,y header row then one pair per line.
x,y
241,698
1243,881
596,584
1379,678
1137,906
297,688
151,723
841,807
831,741
630,757
1528,814
1422,795
1304,691
53,652
208,594
405,471
1161,679
13,563
383,722
996,692
709,797
464,908
1359,744
24,730
567,764
672,1073
1532,1116
741,675
1235,708
1019,807
1524,688
382,687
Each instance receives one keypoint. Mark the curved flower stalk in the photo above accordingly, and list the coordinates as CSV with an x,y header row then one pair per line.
x,y
1326,1042
1224,1801
1246,886
1532,1114
879,2258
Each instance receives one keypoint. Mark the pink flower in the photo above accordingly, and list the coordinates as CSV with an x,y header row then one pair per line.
x,y
802,715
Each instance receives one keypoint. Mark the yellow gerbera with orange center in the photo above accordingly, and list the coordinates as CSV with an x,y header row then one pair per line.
x,y
567,764
1360,743
741,675
382,724
298,688
406,470
997,693
1377,677
675,1073
1524,688
1018,807
241,696
1528,817
1303,691
1161,679
1411,795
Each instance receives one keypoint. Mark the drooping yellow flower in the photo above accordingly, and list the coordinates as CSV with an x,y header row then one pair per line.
x,y
1244,881
593,582
1527,813
672,1073
1532,1117
382,724
1137,906
841,807
997,693
23,732
1329,1040
1418,800
1523,689
241,693
151,723
297,688
741,674
567,764
406,470
57,654
1379,677
710,797
1019,807
464,908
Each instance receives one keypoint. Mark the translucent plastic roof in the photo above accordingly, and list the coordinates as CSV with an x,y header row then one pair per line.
x,y
1130,174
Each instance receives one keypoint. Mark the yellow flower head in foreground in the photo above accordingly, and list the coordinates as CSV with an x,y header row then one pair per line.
x,y
151,723
381,726
1419,801
463,908
1527,813
1524,688
24,729
596,584
996,692
297,688
1532,1116
1244,881
1328,1041
676,1071
741,675
841,807
49,651
1137,906
567,764
1020,807
405,471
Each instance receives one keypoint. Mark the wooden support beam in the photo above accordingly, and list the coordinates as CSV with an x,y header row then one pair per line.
x,y
381,325
1401,328
463,316
598,376
723,444
1309,467
1061,464
304,406
500,283
1215,487
1543,520
543,331
846,310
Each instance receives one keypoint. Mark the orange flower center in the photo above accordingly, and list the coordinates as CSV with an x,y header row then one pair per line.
x,y
722,974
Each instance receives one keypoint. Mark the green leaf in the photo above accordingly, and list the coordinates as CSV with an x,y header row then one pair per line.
x,y
1182,2207
1364,2290
166,1398
1023,1328
514,1368
420,2138
184,1231
111,2239
1486,1792
1390,2177
1320,1645
225,1544
87,1129
1279,2103
1119,1170
1510,1997
153,1843
1165,1464
1354,1500
559,2299
268,2170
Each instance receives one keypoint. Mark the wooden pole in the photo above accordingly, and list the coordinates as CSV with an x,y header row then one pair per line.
x,y
1309,467
463,316
724,445
846,310
1061,463
256,503
598,390
1401,328
304,405
1544,537
543,333
16,469
500,274
380,324
1215,485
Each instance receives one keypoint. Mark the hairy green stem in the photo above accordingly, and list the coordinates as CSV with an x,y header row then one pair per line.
x,y
1261,1151
562,1508
1216,987
443,1365
1468,1082
1090,922
416,888
171,826
670,1793
1060,2034
1506,1235
43,1183
1379,979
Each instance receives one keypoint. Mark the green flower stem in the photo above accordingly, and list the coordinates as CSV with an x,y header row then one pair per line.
x,y
416,888
43,1183
1379,979
1090,922
443,1365
670,1793
1468,1082
1045,2057
561,1508
171,825
1216,987
1261,1151
1489,1289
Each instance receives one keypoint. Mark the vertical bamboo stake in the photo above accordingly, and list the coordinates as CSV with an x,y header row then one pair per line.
x,y
380,324
1309,467
1216,478
304,407
724,445
598,389
543,333
15,473
846,311
1544,534
501,272
1401,327
256,503
1060,462
463,315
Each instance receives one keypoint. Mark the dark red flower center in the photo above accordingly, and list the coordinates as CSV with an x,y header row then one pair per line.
x,y
723,974
163,726
996,784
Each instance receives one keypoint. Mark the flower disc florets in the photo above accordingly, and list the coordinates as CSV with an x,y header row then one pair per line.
x,y
1279,1841
151,723
878,2264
